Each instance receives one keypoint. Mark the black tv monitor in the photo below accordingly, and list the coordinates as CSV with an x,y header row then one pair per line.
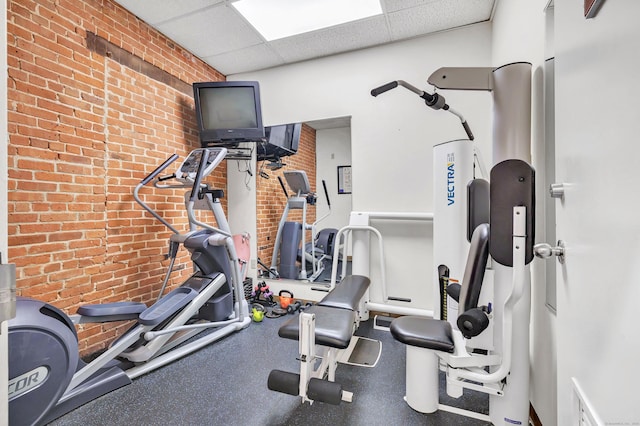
x,y
228,112
281,141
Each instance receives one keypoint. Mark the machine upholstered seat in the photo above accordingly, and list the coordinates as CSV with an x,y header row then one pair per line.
x,y
334,327
348,293
423,332
436,334
335,314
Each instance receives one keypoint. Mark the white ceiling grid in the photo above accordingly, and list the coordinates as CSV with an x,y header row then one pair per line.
x,y
215,32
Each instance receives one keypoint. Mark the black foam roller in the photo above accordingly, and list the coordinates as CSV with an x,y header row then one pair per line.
x,y
325,391
473,322
284,381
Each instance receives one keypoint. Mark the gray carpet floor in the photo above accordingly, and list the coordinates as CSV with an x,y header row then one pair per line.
x,y
226,384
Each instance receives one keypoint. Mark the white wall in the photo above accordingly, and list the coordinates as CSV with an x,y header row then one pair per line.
x,y
391,135
333,149
519,34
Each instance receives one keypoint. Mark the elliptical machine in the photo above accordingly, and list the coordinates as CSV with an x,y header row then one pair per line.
x,y
46,376
291,252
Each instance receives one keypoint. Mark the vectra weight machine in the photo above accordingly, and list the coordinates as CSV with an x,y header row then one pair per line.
x,y
503,323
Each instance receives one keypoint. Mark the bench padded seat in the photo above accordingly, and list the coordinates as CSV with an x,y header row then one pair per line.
x,y
348,293
334,327
423,332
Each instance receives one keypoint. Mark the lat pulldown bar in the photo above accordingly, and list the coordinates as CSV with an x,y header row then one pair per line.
x,y
434,101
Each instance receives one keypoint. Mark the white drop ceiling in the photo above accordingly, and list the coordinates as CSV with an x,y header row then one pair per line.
x,y
214,31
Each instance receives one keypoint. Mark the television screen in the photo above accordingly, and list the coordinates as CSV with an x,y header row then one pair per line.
x,y
281,141
228,111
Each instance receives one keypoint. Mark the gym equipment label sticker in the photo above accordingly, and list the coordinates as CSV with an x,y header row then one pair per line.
x,y
27,381
451,194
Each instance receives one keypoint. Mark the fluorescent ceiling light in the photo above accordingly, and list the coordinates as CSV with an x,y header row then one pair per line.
x,y
276,19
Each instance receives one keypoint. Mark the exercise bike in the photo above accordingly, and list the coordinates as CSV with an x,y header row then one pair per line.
x,y
46,376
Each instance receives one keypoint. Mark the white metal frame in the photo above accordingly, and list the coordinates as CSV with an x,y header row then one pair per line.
x,y
308,358
358,232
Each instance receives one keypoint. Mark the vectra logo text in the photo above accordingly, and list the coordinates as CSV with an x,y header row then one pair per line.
x,y
451,188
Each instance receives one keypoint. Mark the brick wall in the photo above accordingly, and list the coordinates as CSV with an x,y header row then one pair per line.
x,y
271,200
84,129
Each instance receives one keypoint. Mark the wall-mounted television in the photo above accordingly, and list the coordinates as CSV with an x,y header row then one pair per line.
x,y
228,112
280,141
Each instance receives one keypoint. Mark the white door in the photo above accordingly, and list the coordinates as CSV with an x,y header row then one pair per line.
x,y
597,103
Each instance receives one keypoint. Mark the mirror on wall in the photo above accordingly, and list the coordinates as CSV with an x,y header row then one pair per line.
x,y
324,147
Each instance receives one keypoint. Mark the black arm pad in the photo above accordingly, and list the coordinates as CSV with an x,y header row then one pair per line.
x,y
473,322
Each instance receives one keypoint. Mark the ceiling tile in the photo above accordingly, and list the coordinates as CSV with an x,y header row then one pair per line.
x,y
260,56
211,31
395,5
163,10
438,16
341,38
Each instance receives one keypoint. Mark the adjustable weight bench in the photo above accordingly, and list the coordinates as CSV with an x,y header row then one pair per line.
x,y
327,327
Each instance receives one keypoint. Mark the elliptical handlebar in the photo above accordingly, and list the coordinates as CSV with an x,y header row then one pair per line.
x,y
434,101
284,188
148,179
326,193
194,168
199,175
159,169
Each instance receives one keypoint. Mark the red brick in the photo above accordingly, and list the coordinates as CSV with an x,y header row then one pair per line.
x,y
83,130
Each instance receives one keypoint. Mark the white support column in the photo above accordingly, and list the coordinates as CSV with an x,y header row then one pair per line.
x,y
422,390
306,347
513,342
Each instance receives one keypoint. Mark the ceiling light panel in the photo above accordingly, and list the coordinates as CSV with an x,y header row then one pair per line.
x,y
276,19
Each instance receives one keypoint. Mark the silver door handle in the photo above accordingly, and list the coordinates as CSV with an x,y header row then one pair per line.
x,y
556,190
545,250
